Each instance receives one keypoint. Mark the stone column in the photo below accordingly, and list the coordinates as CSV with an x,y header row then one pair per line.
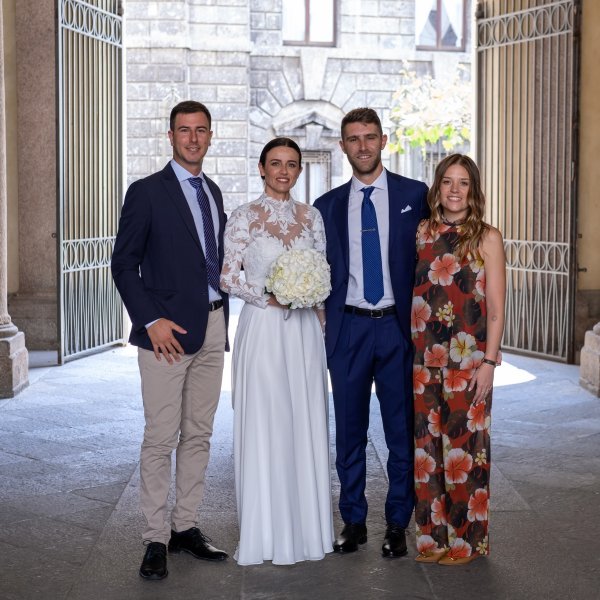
x,y
13,354
33,307
589,370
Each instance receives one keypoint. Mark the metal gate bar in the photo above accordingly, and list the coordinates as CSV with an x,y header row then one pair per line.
x,y
90,173
527,68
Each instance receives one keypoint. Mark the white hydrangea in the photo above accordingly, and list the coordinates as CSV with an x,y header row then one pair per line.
x,y
299,278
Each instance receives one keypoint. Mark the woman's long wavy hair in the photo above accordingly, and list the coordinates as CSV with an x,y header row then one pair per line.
x,y
473,228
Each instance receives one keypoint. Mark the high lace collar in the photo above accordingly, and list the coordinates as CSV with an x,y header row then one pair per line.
x,y
278,206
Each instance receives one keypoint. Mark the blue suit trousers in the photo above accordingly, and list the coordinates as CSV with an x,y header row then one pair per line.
x,y
373,350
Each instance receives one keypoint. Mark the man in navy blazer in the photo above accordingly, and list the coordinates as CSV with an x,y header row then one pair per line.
x,y
166,264
371,222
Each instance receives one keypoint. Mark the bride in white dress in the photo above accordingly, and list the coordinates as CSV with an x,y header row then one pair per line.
x,y
280,398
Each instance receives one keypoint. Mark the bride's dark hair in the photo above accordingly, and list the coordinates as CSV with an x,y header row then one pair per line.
x,y
279,141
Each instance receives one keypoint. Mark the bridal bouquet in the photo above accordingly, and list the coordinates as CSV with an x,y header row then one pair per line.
x,y
299,278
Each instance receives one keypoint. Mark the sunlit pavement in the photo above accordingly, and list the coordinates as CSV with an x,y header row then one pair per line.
x,y
70,525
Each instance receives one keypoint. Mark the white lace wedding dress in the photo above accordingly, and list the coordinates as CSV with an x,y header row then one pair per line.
x,y
281,445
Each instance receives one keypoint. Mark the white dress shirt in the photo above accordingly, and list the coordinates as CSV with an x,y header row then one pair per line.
x,y
380,199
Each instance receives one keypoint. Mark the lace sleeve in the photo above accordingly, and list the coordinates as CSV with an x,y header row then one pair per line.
x,y
318,231
236,240
320,244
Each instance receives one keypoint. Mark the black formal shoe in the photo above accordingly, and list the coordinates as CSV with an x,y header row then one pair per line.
x,y
394,543
352,535
154,565
195,543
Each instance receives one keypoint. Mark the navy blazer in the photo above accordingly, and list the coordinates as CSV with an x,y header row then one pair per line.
x,y
407,207
158,263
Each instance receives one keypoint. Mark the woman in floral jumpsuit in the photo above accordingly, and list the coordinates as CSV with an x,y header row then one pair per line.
x,y
457,324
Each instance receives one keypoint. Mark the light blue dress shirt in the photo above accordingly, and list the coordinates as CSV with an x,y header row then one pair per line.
x,y
190,195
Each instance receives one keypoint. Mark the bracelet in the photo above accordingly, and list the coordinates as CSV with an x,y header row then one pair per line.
x,y
487,361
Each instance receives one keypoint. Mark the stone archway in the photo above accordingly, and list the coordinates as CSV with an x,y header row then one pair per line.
x,y
315,126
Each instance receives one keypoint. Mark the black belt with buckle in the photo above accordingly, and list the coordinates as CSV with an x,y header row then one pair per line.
x,y
374,313
214,305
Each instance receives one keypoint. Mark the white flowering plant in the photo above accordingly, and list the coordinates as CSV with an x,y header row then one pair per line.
x,y
426,111
299,278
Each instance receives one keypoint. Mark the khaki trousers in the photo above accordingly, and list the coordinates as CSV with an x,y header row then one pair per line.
x,y
180,401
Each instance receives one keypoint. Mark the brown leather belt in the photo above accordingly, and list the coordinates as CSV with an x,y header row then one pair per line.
x,y
373,313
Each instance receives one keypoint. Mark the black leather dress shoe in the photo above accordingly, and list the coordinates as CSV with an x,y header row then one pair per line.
x,y
154,565
394,543
352,535
194,542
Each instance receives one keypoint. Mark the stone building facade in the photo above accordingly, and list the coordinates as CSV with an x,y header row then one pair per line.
x,y
232,55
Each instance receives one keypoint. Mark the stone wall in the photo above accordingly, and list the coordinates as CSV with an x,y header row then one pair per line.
x,y
188,50
230,55
587,303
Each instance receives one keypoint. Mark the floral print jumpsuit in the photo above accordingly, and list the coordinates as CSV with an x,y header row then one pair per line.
x,y
452,436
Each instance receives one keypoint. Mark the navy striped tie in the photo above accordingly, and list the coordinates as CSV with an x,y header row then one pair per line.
x,y
371,250
210,242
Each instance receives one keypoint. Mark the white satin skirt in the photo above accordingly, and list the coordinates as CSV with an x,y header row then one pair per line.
x,y
281,437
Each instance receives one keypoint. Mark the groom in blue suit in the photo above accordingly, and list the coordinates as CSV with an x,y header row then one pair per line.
x,y
371,223
166,265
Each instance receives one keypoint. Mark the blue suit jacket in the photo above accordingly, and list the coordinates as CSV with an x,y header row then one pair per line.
x,y
158,264
407,206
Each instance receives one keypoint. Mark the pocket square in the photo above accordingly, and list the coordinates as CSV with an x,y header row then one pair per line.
x,y
406,208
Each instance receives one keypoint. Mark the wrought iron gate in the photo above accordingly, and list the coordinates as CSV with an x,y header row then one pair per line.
x,y
90,90
527,69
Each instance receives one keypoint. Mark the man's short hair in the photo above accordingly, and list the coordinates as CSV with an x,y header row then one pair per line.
x,y
361,115
188,107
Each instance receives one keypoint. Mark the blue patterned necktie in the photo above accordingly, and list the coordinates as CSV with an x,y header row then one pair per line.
x,y
371,250
210,242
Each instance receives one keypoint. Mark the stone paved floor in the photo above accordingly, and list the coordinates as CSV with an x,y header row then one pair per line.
x,y
69,520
